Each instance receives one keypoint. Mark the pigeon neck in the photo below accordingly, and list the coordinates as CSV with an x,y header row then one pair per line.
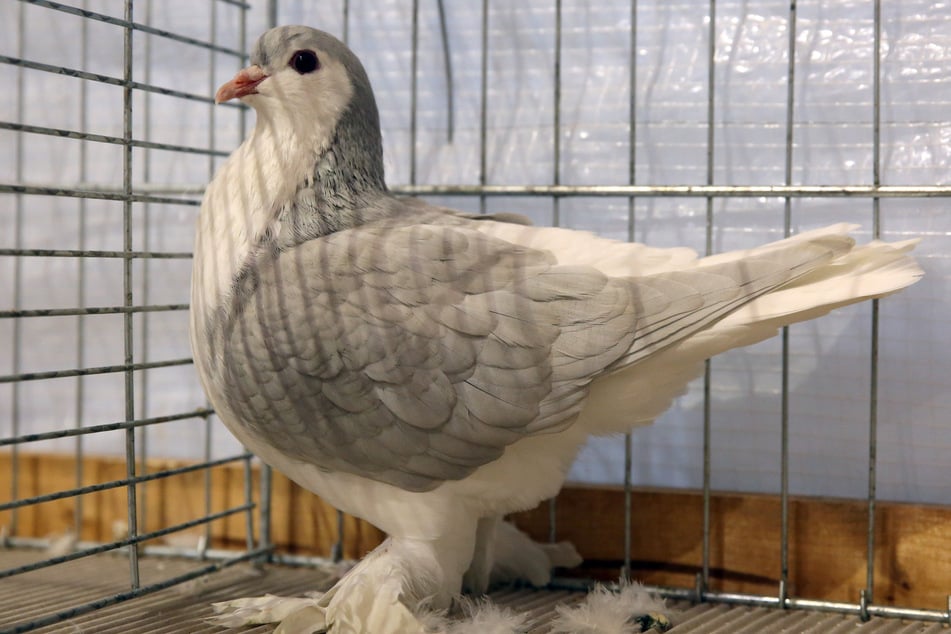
x,y
348,174
343,189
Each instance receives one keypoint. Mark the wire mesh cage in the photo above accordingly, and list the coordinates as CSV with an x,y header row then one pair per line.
x,y
716,129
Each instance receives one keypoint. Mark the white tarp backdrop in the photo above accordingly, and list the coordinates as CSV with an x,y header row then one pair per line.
x,y
830,362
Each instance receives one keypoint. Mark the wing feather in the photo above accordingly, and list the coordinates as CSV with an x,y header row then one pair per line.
x,y
413,353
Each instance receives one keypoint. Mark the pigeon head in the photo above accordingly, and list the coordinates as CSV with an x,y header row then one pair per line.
x,y
306,85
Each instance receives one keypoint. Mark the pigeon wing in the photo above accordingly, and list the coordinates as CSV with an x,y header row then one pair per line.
x,y
415,353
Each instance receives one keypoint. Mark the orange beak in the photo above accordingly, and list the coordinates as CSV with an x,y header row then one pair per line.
x,y
243,84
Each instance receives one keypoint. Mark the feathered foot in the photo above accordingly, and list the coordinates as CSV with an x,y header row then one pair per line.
x,y
295,614
393,590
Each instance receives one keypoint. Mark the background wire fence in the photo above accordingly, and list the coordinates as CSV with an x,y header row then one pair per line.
x,y
98,153
628,119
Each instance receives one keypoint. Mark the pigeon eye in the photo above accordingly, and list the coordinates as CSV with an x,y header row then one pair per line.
x,y
304,62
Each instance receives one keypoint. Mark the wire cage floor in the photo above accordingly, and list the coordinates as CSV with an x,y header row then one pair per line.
x,y
187,607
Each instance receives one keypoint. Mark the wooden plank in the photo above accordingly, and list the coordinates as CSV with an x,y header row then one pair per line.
x,y
26,517
826,548
827,542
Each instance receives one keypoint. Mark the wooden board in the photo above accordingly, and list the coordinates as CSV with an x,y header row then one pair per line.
x,y
302,523
827,542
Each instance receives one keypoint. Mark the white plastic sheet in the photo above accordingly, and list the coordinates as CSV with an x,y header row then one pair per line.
x,y
833,144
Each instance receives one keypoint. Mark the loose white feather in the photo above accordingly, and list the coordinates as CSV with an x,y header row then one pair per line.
x,y
605,611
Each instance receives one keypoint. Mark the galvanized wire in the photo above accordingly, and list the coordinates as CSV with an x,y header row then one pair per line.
x,y
105,369
16,345
784,336
79,453
98,604
98,429
105,138
868,593
683,191
134,309
555,202
703,579
204,520
129,25
90,310
105,79
128,481
631,222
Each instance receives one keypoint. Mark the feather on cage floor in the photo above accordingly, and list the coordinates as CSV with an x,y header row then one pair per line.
x,y
187,608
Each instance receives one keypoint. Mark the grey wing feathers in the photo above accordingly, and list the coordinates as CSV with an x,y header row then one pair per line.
x,y
397,353
677,304
413,354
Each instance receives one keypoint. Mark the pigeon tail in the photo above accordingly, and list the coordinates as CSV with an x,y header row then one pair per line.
x,y
856,274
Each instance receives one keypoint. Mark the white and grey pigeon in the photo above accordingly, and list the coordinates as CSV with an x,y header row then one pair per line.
x,y
431,371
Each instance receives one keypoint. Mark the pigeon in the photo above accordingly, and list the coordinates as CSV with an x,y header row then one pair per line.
x,y
429,370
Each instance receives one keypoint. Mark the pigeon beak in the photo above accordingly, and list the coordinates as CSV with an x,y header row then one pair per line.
x,y
243,84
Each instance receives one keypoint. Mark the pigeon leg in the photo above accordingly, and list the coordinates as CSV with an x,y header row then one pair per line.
x,y
477,577
503,554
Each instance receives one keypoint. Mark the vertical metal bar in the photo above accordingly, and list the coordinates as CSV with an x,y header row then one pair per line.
x,y
271,13
248,498
127,289
447,66
632,178
711,113
243,47
16,346
336,551
212,66
484,105
413,93
81,285
704,579
143,440
784,389
873,362
556,123
628,508
632,121
556,207
265,517
206,452
346,21
264,508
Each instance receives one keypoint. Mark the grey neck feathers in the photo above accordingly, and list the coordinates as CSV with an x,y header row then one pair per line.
x,y
347,184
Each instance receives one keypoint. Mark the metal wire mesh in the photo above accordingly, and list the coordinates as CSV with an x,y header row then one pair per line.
x,y
138,192
130,189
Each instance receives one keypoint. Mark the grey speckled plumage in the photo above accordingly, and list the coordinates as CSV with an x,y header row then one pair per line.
x,y
413,352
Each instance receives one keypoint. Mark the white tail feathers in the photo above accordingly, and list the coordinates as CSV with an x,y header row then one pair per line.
x,y
853,274
870,271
